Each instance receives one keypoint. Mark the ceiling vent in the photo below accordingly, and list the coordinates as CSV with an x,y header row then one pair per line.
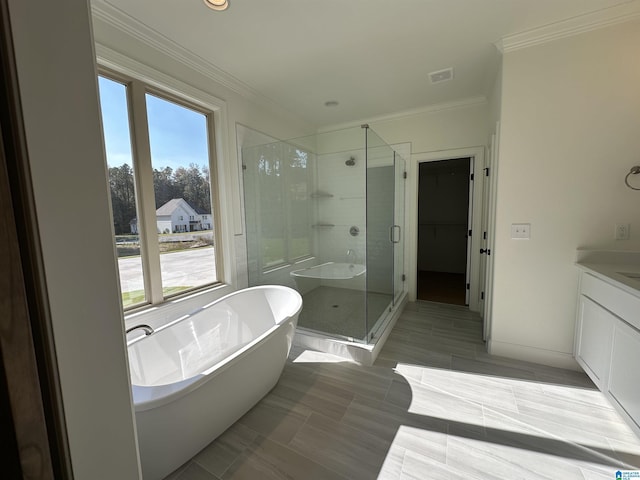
x,y
441,75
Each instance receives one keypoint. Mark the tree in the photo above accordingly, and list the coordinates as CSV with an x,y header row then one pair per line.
x,y
190,183
193,185
163,185
123,201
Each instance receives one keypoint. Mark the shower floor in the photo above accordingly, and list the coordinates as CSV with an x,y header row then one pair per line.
x,y
340,311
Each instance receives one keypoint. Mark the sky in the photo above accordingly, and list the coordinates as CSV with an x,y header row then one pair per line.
x,y
178,135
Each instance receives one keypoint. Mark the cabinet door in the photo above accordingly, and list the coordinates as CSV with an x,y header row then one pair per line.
x,y
624,378
595,326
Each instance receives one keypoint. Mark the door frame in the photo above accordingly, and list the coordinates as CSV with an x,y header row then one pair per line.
x,y
477,155
492,185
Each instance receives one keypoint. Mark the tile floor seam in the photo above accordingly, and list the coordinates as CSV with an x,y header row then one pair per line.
x,y
302,454
212,475
618,421
257,434
558,438
367,434
515,398
617,453
580,402
297,452
477,403
206,469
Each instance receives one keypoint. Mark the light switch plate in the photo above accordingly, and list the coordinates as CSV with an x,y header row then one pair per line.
x,y
622,231
521,231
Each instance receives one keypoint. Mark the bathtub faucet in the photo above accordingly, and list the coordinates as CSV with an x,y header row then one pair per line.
x,y
147,329
351,256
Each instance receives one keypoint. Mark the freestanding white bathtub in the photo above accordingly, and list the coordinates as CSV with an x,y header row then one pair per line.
x,y
331,274
194,379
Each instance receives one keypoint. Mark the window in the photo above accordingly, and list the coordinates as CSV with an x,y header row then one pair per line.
x,y
157,178
277,185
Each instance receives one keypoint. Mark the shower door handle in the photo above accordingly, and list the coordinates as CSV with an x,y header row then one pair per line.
x,y
392,236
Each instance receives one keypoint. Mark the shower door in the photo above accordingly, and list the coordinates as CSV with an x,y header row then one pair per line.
x,y
398,228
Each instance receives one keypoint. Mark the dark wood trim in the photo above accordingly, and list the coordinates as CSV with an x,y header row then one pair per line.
x,y
26,339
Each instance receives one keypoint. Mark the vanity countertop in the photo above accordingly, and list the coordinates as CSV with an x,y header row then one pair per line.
x,y
620,268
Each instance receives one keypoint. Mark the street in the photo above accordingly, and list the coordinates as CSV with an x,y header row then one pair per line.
x,y
186,268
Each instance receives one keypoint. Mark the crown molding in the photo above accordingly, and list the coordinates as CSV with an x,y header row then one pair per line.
x,y
109,58
429,109
116,18
572,26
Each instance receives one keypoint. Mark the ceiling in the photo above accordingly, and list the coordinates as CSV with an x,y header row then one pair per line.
x,y
371,56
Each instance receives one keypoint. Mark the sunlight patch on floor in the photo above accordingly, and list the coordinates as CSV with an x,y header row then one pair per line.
x,y
489,409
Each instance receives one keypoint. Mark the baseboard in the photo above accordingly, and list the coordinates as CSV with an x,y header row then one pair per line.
x,y
364,354
382,338
533,354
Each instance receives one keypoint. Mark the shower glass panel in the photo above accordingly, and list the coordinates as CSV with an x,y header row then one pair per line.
x,y
380,220
319,214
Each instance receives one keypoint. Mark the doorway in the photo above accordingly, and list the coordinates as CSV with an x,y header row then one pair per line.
x,y
444,194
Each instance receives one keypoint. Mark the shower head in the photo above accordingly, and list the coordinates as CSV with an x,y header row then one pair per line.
x,y
351,162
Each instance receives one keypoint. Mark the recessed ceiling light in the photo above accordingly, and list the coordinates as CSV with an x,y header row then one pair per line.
x,y
441,75
217,4
331,103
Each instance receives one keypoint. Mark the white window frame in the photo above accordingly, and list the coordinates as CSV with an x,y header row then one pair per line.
x,y
224,182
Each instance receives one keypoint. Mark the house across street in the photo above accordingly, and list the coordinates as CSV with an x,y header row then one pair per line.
x,y
178,216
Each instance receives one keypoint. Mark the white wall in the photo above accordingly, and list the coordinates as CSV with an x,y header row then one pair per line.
x,y
54,54
569,133
434,130
495,99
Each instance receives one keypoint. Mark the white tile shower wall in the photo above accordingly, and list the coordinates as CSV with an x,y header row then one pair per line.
x,y
345,209
380,213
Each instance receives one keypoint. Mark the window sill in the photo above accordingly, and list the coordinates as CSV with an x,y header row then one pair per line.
x,y
162,315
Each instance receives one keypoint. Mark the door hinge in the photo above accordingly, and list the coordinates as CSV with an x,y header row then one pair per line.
x,y
470,231
404,277
484,236
404,175
244,167
468,286
486,172
481,295
472,177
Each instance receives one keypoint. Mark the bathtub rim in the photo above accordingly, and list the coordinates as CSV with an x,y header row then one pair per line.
x,y
173,391
296,273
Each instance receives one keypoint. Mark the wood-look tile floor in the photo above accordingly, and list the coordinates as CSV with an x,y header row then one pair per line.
x,y
434,406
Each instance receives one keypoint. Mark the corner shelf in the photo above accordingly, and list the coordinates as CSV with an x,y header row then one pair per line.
x,y
321,195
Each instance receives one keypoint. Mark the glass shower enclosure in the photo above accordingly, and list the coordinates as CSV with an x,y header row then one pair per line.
x,y
325,215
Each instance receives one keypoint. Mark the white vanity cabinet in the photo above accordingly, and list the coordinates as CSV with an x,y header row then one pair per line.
x,y
593,345
607,343
624,377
